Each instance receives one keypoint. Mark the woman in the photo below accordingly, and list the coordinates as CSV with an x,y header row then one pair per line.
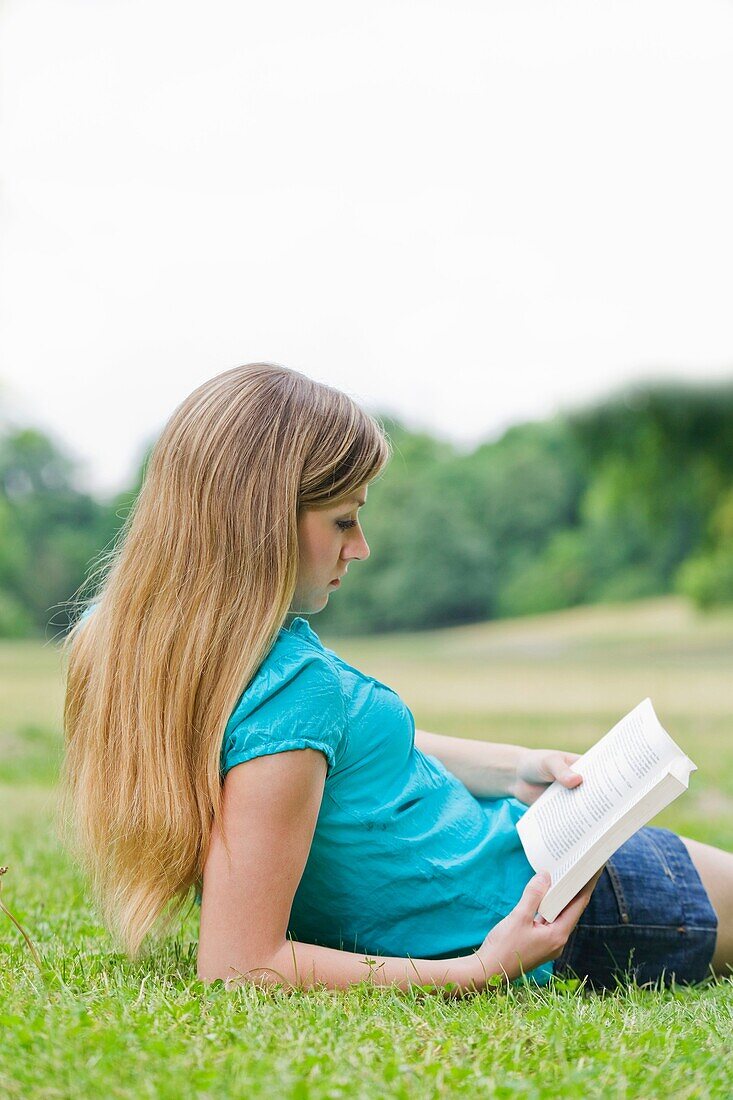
x,y
213,742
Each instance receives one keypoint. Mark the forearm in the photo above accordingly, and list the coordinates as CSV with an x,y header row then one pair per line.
x,y
489,770
305,966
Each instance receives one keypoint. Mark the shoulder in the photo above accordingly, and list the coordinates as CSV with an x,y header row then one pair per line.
x,y
296,668
295,700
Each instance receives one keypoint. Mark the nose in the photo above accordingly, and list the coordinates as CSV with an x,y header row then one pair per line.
x,y
357,547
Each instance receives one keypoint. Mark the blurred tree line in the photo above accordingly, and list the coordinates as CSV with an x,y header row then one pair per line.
x,y
630,498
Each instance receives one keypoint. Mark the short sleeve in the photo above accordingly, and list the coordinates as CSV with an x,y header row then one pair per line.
x,y
298,706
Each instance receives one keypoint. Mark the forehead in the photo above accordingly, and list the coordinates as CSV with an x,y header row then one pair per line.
x,y
359,496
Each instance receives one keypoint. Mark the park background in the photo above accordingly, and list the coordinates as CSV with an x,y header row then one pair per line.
x,y
505,229
627,499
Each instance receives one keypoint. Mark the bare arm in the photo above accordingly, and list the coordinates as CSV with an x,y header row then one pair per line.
x,y
270,809
486,768
491,770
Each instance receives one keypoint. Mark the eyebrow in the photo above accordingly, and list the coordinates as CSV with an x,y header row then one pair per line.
x,y
356,500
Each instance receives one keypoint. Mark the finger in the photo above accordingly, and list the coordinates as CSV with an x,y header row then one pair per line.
x,y
559,765
573,910
570,779
533,894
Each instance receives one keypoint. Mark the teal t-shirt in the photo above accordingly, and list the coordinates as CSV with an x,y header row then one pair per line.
x,y
404,859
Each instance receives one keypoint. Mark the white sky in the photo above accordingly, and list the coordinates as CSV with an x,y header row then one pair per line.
x,y
467,213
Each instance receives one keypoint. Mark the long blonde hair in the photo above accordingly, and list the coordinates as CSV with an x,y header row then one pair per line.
x,y
188,603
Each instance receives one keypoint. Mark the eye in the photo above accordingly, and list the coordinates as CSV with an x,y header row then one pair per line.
x,y
345,524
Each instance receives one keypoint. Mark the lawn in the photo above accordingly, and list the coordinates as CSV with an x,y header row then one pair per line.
x,y
95,1025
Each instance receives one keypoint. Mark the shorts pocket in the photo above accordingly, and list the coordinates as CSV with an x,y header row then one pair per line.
x,y
645,880
649,837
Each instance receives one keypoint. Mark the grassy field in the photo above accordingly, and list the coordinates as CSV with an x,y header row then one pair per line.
x,y
96,1025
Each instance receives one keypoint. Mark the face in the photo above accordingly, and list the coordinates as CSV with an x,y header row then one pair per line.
x,y
329,540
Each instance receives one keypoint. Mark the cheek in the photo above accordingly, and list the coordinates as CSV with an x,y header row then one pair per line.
x,y
319,540
326,550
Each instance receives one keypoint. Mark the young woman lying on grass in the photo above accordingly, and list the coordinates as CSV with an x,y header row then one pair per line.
x,y
213,744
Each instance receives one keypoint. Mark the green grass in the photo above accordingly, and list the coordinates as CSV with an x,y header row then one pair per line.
x,y
96,1025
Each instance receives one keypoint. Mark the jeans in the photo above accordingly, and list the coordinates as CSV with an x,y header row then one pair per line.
x,y
649,918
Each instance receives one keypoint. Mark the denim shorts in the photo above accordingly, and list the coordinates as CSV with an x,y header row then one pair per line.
x,y
649,918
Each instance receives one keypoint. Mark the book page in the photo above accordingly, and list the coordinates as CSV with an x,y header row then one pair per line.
x,y
561,824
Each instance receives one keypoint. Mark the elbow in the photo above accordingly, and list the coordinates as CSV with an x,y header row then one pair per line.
x,y
263,972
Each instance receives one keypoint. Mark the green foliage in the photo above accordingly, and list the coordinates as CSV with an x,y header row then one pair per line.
x,y
660,459
15,622
48,533
707,577
447,533
560,577
626,499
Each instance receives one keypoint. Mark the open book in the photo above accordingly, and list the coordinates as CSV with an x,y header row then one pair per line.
x,y
628,776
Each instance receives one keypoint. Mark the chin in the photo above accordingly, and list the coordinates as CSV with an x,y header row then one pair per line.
x,y
314,606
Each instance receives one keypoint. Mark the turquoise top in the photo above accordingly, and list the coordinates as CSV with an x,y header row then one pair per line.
x,y
404,860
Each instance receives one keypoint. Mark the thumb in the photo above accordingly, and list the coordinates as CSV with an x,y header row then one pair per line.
x,y
533,894
562,770
570,778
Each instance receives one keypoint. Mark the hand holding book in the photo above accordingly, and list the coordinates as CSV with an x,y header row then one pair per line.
x,y
521,941
536,768
630,775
